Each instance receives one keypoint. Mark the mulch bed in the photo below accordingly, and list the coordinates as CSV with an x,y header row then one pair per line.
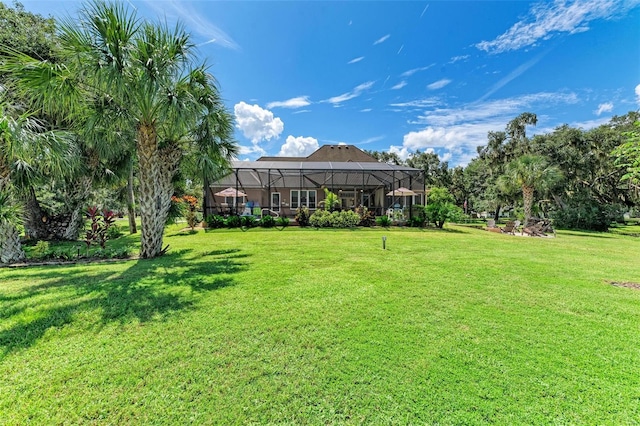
x,y
635,286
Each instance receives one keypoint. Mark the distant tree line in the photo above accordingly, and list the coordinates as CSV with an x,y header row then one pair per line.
x,y
580,178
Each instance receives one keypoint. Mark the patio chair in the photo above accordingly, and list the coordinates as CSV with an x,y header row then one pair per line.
x,y
534,230
509,228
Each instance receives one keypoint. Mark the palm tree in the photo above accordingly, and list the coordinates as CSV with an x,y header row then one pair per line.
x,y
530,172
130,85
27,153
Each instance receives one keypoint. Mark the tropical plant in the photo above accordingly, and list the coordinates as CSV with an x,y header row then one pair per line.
x,y
530,172
282,222
214,221
100,223
120,76
383,221
367,217
248,222
320,219
331,201
267,222
302,216
233,222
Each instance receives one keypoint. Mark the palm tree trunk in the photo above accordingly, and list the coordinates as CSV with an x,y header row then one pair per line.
x,y
34,226
10,247
131,206
527,200
72,232
150,198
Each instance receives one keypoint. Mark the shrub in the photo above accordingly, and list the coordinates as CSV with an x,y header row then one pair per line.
x,y
582,212
282,222
302,216
344,219
248,222
233,222
440,207
320,219
416,222
215,221
114,232
419,211
367,217
383,221
267,222
41,250
99,226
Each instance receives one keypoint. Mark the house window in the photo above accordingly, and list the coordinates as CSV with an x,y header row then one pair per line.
x,y
303,198
275,201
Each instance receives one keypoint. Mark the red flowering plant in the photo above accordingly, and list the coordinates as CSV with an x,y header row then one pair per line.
x,y
99,227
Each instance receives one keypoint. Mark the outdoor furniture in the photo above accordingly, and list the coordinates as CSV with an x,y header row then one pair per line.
x,y
516,225
509,228
537,227
534,230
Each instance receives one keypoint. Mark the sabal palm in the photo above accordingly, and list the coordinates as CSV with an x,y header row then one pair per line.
x,y
27,153
130,85
531,172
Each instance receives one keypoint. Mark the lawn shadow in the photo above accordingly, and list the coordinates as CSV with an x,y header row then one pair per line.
x,y
146,290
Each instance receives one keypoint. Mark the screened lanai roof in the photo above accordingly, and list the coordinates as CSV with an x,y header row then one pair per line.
x,y
263,174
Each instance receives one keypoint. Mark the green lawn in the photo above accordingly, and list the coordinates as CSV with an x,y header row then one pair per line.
x,y
304,326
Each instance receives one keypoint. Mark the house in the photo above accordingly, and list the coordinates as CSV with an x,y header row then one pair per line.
x,y
282,184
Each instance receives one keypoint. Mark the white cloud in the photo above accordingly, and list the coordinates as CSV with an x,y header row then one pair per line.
x,y
546,19
459,58
399,85
366,110
195,20
638,94
501,108
590,124
605,107
370,140
254,150
403,153
418,103
438,84
301,111
382,39
257,124
298,146
357,91
513,75
411,72
299,102
400,50
461,130
354,60
424,10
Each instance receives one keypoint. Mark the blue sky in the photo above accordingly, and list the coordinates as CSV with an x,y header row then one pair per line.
x,y
406,76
